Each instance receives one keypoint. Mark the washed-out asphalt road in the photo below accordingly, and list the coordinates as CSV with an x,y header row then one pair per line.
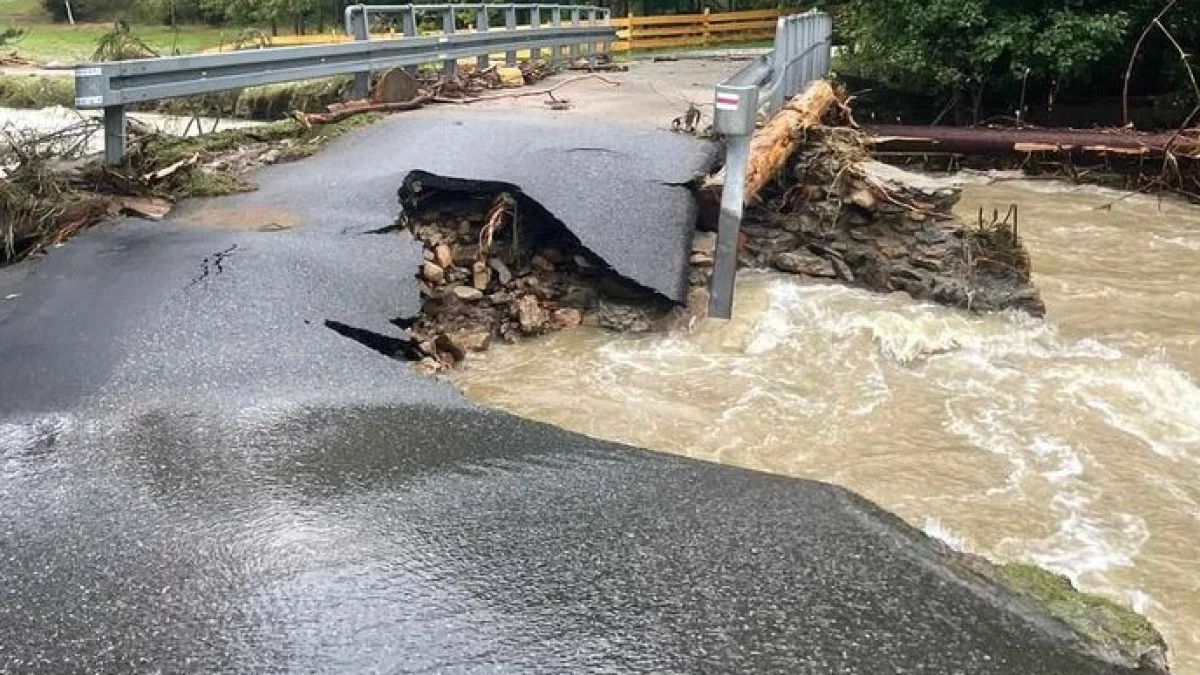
x,y
198,475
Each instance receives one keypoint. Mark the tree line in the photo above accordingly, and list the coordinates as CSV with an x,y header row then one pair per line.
x,y
975,58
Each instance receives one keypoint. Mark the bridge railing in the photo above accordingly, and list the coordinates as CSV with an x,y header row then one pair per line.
x,y
115,85
801,54
517,17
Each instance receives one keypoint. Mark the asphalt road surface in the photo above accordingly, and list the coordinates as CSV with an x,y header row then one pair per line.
x,y
198,475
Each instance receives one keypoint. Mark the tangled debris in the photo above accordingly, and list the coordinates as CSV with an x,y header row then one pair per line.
x,y
499,267
39,198
401,89
52,189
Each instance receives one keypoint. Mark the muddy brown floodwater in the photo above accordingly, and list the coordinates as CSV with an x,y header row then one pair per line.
x,y
1072,442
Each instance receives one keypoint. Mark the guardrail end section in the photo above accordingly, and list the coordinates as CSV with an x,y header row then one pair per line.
x,y
91,85
735,110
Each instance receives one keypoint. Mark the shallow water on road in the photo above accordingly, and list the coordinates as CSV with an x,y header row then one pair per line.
x,y
1073,442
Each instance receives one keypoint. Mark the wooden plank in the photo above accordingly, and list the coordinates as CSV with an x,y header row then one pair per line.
x,y
296,40
669,32
747,25
667,19
760,14
659,43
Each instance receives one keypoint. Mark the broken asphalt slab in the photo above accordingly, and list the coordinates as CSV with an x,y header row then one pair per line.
x,y
197,474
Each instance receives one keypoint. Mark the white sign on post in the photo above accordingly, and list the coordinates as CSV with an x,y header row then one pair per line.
x,y
727,101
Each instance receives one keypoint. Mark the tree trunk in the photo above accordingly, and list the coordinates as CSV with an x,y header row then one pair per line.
x,y
773,144
770,148
987,141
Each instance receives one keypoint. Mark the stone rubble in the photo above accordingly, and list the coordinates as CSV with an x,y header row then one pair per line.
x,y
489,277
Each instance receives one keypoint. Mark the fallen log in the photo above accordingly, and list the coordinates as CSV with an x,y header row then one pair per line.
x,y
779,138
341,111
992,141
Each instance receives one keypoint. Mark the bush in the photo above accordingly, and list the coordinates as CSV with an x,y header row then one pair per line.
x,y
25,91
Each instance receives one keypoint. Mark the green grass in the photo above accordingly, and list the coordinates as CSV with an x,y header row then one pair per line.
x,y
67,44
1106,622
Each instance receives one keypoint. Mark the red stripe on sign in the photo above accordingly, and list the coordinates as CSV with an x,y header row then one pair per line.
x,y
729,99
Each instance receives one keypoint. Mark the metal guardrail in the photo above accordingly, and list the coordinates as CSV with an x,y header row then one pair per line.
x,y
358,22
803,43
113,86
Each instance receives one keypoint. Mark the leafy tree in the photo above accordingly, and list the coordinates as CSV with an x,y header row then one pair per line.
x,y
972,47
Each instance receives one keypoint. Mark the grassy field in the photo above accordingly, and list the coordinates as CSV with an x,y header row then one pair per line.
x,y
47,41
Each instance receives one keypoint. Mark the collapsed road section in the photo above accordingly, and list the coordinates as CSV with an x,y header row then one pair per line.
x,y
497,264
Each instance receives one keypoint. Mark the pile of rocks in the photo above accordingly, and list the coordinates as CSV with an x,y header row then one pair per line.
x,y
498,268
831,221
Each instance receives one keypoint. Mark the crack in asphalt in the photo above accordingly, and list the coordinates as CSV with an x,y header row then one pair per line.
x,y
213,265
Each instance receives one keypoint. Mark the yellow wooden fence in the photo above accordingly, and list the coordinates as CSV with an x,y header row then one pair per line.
x,y
694,30
645,32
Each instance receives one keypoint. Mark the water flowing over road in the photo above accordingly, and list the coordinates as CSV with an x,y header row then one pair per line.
x,y
1072,442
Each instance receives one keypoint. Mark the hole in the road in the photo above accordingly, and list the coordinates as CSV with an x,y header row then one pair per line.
x,y
498,265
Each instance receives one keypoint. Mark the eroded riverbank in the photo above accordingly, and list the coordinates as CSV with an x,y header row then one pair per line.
x,y
1073,442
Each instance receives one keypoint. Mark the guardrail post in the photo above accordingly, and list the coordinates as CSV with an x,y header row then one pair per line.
x,y
535,22
594,47
481,26
449,66
826,50
556,23
808,39
707,35
510,24
356,17
575,47
779,64
736,112
114,134
408,22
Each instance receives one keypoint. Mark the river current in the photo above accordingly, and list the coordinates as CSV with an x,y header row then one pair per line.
x,y
1071,441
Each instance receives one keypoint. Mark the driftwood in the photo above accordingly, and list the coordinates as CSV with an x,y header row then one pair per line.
x,y
781,137
341,111
548,91
994,142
